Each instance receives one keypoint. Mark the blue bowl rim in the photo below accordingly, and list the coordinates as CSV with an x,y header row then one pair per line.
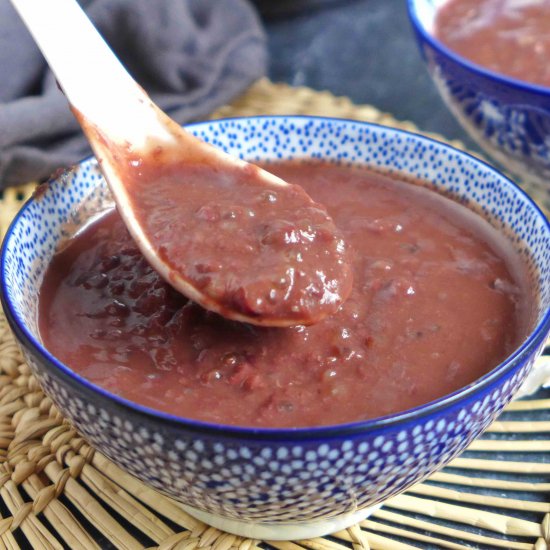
x,y
474,67
533,341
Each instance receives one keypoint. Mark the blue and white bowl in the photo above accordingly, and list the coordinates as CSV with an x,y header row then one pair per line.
x,y
508,118
280,483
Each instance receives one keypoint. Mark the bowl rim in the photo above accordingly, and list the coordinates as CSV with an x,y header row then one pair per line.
x,y
535,338
470,65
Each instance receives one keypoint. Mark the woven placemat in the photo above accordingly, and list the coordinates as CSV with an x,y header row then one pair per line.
x,y
57,492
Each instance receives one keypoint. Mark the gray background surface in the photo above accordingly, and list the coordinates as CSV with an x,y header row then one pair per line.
x,y
364,49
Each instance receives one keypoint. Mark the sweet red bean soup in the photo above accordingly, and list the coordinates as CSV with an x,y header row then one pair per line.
x,y
438,299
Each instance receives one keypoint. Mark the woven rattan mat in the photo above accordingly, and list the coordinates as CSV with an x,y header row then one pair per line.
x,y
56,492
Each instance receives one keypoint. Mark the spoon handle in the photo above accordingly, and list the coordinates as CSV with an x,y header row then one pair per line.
x,y
92,78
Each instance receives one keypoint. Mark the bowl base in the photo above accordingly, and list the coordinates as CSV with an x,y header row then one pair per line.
x,y
281,531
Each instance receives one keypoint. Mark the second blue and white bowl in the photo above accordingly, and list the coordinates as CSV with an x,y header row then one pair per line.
x,y
508,118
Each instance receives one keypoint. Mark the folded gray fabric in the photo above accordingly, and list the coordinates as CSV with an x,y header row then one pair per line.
x,y
191,56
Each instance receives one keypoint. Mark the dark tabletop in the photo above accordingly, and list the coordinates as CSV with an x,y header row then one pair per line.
x,y
364,49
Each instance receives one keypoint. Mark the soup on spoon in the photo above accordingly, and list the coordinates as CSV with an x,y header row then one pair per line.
x,y
229,235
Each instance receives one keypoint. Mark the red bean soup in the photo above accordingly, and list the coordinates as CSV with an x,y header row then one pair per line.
x,y
511,37
438,299
265,251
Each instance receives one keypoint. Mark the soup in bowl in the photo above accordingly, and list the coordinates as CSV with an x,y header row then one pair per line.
x,y
488,60
291,433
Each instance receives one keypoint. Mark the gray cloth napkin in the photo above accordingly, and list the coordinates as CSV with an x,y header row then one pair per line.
x,y
191,56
